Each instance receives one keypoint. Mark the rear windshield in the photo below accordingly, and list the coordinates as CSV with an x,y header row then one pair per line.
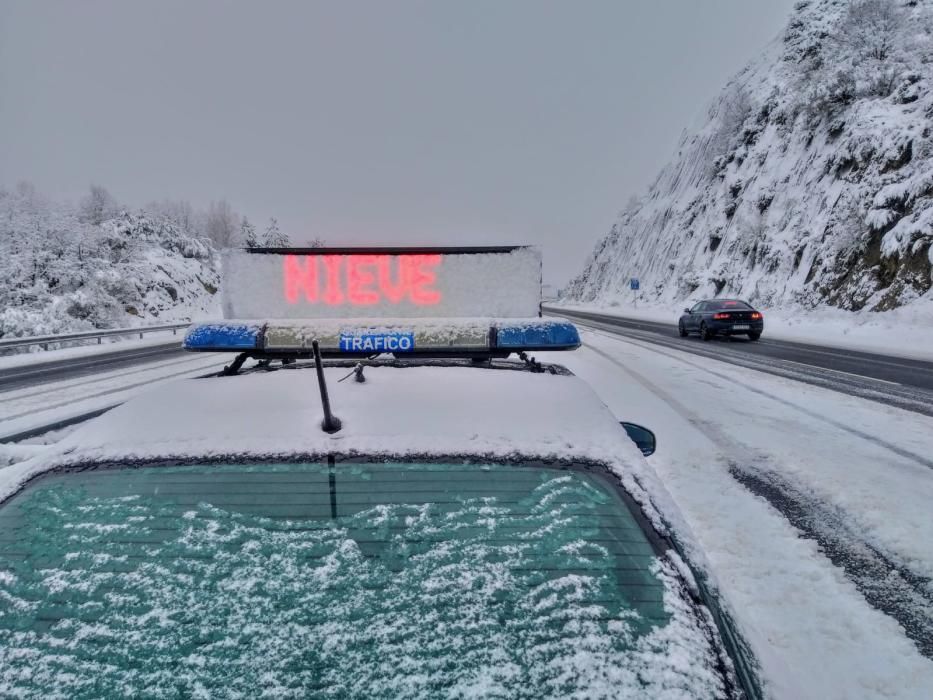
x,y
350,580
726,304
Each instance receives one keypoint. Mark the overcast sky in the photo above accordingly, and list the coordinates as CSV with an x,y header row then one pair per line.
x,y
499,121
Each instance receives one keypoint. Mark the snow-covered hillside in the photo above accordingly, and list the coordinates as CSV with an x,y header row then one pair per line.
x,y
810,182
69,268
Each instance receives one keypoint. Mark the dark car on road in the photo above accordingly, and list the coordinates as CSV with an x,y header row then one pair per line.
x,y
713,317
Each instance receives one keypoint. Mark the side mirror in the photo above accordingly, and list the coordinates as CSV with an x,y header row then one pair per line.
x,y
643,438
687,311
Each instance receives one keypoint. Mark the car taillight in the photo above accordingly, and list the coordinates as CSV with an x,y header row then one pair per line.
x,y
756,316
721,317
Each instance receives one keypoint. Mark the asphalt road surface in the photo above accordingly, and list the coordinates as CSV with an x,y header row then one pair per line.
x,y
105,361
895,381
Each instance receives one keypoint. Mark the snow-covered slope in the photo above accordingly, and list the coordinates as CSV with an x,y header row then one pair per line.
x,y
61,273
810,182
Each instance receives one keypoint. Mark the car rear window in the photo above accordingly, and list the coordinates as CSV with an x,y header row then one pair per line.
x,y
727,304
344,580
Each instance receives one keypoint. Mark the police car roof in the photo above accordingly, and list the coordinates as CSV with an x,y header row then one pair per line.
x,y
414,411
420,409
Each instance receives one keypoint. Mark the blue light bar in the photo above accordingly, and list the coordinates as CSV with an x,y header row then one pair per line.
x,y
543,335
223,337
457,337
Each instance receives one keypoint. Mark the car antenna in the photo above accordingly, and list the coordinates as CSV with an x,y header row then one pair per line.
x,y
331,423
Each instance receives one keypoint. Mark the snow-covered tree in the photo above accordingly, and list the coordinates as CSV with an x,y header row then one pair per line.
x,y
872,40
97,206
273,237
248,234
179,213
871,28
731,112
59,272
222,224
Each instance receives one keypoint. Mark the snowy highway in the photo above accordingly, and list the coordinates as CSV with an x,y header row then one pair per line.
x,y
80,383
68,368
897,381
811,507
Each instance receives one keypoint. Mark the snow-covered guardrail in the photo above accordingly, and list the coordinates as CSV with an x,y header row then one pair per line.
x,y
46,340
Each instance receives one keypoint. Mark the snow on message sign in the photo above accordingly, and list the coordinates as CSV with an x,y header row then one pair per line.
x,y
382,283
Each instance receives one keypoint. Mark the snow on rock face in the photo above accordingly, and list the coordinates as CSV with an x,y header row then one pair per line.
x,y
60,274
811,182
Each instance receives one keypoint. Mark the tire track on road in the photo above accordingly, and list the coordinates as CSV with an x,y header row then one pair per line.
x,y
891,447
114,390
887,585
72,384
13,378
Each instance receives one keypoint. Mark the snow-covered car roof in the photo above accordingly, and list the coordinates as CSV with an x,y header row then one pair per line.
x,y
425,411
501,412
399,411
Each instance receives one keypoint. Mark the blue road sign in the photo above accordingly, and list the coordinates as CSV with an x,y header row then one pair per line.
x,y
633,284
